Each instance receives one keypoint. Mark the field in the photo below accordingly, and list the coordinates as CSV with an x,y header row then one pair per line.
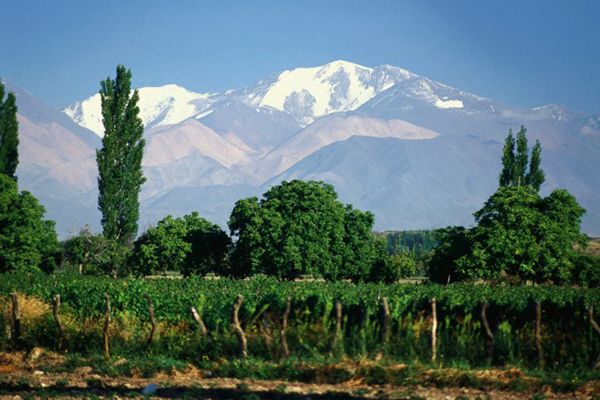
x,y
593,247
528,339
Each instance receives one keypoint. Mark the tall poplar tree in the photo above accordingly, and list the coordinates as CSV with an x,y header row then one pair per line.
x,y
9,134
515,171
120,159
508,160
521,158
535,177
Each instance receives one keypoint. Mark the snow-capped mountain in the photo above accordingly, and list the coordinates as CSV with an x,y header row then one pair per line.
x,y
416,152
308,93
163,105
305,94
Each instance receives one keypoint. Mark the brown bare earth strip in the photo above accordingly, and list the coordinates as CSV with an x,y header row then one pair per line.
x,y
21,375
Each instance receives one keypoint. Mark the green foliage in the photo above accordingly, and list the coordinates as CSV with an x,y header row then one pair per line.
x,y
390,269
413,249
120,158
586,270
454,245
515,170
92,254
508,160
521,157
190,245
9,139
535,177
520,237
27,241
419,243
301,228
568,339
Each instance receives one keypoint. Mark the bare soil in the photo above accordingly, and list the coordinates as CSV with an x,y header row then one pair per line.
x,y
22,376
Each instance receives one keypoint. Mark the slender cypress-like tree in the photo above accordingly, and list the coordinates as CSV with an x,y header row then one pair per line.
x,y
508,160
535,177
9,134
120,159
521,158
514,163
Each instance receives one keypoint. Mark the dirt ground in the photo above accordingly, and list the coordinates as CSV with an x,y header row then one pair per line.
x,y
22,376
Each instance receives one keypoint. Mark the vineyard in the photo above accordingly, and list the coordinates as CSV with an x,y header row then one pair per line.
x,y
475,325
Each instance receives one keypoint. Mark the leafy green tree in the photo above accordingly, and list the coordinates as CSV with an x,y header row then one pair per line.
x,y
93,254
360,248
390,268
587,270
27,241
245,224
120,158
524,237
300,228
190,245
454,244
210,248
9,135
519,235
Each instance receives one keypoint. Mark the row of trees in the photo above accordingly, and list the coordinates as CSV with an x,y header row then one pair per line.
x,y
297,229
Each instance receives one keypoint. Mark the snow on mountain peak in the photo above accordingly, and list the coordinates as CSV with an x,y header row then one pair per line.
x,y
162,105
304,93
307,93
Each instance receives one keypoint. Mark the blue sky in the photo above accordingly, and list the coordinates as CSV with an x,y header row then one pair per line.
x,y
523,53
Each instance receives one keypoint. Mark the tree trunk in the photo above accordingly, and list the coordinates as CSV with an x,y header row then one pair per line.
x,y
538,334
237,328
105,332
386,321
488,331
284,323
16,319
597,329
152,320
338,325
199,321
56,313
434,330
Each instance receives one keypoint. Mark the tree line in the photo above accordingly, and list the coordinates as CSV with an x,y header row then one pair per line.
x,y
296,229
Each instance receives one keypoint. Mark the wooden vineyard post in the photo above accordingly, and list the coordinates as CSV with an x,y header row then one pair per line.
x,y
284,323
198,319
433,330
338,326
56,314
237,328
538,334
596,328
386,321
152,319
16,320
105,333
488,331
